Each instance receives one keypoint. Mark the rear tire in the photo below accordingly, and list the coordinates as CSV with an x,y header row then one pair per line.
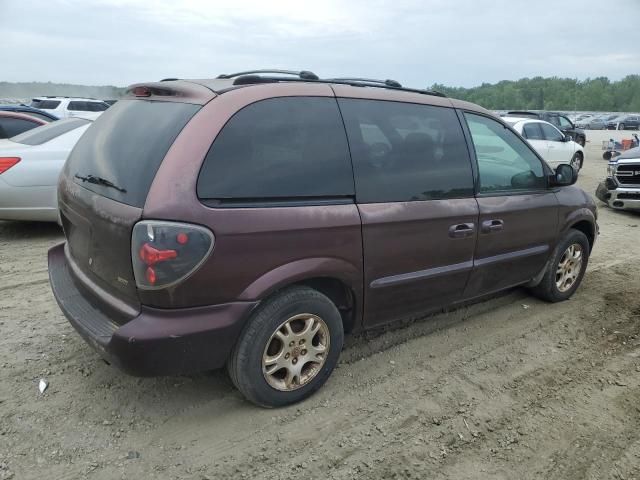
x,y
566,269
621,126
299,332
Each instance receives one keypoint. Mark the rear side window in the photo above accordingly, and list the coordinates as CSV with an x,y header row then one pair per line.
x,y
45,104
406,152
97,106
49,131
15,126
78,106
126,145
290,147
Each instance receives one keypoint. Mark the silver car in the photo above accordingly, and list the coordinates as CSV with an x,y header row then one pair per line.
x,y
30,164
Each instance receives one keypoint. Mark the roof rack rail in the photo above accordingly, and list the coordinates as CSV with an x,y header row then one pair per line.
x,y
388,82
303,74
170,79
252,77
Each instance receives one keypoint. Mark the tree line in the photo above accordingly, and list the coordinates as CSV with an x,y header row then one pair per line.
x,y
538,93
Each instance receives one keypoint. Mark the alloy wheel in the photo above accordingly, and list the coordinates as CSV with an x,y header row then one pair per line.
x,y
569,267
296,352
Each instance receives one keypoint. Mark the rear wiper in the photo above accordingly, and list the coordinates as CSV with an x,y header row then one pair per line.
x,y
99,181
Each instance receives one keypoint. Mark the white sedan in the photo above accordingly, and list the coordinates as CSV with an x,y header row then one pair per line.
x,y
548,141
30,164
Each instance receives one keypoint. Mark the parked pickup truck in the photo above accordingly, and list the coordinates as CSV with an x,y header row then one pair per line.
x,y
621,188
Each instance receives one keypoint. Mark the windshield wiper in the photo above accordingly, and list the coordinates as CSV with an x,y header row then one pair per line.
x,y
99,181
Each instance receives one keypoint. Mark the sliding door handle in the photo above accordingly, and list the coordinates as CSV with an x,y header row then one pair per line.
x,y
489,226
462,230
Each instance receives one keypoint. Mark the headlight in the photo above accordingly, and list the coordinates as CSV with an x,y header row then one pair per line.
x,y
611,169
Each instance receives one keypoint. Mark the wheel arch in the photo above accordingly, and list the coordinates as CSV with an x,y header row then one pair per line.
x,y
588,228
339,280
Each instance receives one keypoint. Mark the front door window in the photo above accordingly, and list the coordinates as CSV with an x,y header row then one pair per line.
x,y
505,162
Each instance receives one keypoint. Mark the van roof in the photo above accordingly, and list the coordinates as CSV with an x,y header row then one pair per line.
x,y
202,90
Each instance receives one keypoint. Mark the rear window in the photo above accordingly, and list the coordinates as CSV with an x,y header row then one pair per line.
x,y
126,145
78,106
14,126
45,104
280,148
43,134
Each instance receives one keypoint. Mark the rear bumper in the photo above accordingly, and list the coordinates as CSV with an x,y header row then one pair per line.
x,y
155,341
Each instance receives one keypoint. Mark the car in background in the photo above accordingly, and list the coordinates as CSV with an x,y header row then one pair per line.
x,y
578,118
14,123
595,122
624,122
30,164
561,121
553,145
65,107
26,109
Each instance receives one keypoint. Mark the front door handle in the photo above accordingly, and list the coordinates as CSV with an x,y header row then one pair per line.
x,y
489,226
461,230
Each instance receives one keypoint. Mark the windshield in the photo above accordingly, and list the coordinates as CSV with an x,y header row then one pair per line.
x,y
45,133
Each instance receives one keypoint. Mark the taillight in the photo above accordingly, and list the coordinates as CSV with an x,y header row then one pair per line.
x,y
166,253
7,162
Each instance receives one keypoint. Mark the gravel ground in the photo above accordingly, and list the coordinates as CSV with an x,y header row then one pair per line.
x,y
508,388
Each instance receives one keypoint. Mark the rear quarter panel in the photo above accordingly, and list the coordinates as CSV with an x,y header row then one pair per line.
x,y
257,250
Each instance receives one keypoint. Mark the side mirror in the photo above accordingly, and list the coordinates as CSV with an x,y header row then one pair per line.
x,y
567,138
564,175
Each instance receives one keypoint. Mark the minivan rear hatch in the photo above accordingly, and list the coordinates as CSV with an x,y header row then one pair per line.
x,y
104,185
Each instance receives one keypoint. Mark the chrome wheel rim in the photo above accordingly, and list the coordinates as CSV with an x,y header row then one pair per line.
x,y
296,352
569,267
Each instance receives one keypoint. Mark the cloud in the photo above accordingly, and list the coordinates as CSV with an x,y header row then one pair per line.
x,y
458,43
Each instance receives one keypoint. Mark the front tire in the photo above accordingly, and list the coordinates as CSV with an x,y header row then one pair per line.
x,y
621,126
288,348
566,270
576,161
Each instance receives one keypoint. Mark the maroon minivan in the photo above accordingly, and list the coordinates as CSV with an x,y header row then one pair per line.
x,y
253,219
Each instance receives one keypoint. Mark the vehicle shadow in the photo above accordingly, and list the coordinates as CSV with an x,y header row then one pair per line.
x,y
159,396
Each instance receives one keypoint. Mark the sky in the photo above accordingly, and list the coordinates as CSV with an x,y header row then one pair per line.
x,y
417,42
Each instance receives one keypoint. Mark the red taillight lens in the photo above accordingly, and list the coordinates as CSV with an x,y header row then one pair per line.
x,y
150,275
151,255
182,238
166,253
7,162
141,91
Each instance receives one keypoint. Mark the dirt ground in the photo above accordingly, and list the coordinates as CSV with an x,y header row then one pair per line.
x,y
510,388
